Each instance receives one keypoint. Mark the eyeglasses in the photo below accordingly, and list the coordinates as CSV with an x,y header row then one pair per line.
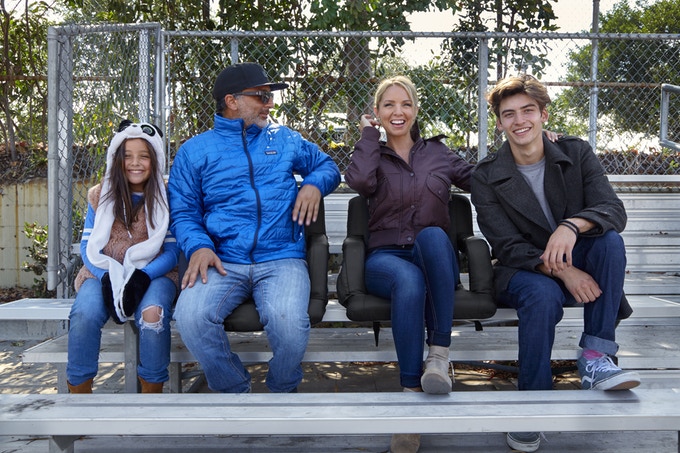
x,y
265,96
148,129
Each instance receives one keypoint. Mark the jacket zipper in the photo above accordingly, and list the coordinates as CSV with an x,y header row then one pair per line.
x,y
257,193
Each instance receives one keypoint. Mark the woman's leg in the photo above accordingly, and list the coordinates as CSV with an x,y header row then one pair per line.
x,y
391,275
434,255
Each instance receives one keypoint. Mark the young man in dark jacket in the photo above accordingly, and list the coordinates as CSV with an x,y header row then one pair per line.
x,y
553,221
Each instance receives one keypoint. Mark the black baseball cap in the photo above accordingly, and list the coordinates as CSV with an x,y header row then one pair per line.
x,y
240,76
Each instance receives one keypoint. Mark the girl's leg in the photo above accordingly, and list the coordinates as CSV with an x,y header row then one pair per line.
x,y
88,316
153,321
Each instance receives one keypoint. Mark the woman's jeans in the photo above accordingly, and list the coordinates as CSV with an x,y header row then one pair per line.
x,y
420,282
88,316
539,299
280,290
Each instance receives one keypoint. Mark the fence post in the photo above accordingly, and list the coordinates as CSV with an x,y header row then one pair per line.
x,y
144,80
592,126
234,50
482,108
60,137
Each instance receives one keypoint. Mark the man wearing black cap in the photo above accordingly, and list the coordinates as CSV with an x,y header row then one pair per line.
x,y
239,218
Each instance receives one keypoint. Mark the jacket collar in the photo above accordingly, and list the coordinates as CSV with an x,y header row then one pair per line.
x,y
228,126
507,168
511,186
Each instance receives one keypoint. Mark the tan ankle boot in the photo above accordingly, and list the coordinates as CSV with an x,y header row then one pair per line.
x,y
85,387
405,443
436,378
151,387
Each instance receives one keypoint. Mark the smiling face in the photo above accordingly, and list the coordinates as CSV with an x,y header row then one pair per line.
x,y
137,163
521,119
249,108
396,112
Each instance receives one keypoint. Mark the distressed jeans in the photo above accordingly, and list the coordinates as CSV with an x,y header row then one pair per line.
x,y
280,290
88,316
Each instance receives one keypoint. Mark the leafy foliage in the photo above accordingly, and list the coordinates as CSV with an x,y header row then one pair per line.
x,y
37,251
629,65
23,63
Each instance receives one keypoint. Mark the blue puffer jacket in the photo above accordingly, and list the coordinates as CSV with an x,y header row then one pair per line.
x,y
233,190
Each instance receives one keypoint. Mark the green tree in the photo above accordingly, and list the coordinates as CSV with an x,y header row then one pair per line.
x,y
505,55
502,16
23,63
632,71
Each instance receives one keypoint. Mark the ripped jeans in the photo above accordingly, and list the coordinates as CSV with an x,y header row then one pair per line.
x,y
88,316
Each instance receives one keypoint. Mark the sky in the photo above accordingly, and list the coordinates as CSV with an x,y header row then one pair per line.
x,y
572,16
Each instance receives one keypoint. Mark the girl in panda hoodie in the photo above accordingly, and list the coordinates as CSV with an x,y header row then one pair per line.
x,y
129,258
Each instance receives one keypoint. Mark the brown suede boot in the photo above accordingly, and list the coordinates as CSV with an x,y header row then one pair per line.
x,y
151,387
85,387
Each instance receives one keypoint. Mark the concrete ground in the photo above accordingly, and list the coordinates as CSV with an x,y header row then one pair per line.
x,y
16,377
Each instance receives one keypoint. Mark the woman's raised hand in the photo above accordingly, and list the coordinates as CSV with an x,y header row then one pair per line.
x,y
368,121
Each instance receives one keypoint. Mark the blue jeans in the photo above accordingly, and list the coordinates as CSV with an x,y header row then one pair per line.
x,y
420,283
539,299
280,290
88,316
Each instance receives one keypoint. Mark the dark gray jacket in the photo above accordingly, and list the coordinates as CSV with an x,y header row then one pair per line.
x,y
510,217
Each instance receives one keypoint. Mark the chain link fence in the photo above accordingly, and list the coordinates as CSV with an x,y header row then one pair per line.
x,y
605,88
97,76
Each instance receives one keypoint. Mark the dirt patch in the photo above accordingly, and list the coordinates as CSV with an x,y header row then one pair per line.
x,y
16,293
30,163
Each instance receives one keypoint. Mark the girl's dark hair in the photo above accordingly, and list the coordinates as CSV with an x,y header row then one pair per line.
x,y
121,196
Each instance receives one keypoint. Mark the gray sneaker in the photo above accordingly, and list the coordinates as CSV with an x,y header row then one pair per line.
x,y
602,374
525,442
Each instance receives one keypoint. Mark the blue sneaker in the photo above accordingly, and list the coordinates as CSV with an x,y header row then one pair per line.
x,y
525,442
602,374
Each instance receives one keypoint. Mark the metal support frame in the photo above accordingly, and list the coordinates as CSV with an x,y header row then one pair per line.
x,y
666,90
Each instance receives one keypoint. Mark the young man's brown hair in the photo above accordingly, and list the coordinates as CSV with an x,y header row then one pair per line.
x,y
522,84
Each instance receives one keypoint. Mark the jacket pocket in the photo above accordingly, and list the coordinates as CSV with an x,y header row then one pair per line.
x,y
439,186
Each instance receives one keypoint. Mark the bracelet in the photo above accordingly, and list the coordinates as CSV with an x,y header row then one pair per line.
x,y
571,225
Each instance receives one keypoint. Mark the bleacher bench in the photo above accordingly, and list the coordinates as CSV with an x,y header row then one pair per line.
x,y
65,418
640,347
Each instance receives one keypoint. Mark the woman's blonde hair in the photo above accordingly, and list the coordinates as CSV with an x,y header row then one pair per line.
x,y
401,81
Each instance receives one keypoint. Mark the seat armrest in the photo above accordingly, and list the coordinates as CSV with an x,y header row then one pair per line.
x,y
479,265
317,262
351,276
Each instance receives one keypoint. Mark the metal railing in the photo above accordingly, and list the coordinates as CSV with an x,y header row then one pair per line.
x,y
664,139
